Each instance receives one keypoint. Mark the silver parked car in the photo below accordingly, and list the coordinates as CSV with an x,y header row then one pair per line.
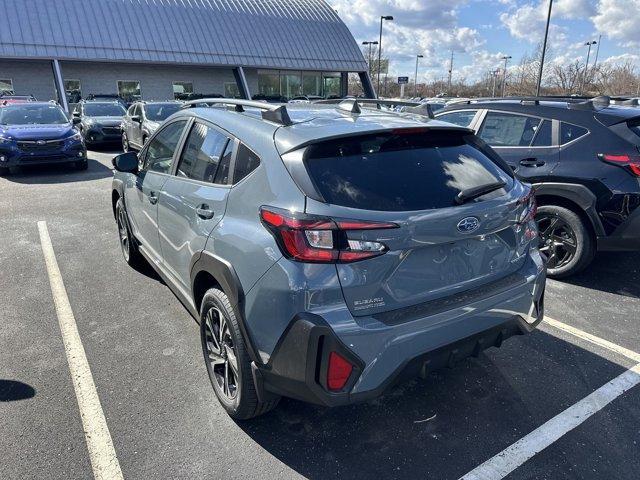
x,y
142,120
329,251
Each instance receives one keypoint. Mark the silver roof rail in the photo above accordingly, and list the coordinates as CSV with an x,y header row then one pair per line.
x,y
352,105
270,112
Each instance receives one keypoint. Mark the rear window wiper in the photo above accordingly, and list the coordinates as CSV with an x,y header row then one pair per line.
x,y
475,192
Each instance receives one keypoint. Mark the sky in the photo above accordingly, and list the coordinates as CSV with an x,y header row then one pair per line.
x,y
480,32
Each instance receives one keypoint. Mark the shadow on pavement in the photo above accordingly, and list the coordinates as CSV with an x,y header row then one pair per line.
x,y
448,424
12,390
60,173
613,272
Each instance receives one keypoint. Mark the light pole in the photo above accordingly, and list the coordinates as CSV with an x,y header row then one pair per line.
x,y
450,73
586,66
369,58
494,74
415,81
506,58
544,48
382,18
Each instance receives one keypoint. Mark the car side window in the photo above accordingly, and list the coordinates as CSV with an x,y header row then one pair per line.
x,y
202,152
246,162
543,135
508,130
162,147
569,132
462,118
224,169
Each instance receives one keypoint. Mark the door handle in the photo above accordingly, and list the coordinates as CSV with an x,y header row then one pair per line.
x,y
153,198
532,162
204,212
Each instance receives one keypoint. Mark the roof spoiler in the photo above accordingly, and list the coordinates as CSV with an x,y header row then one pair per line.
x,y
272,113
352,105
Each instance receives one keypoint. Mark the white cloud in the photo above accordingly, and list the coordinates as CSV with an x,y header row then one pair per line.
x,y
618,20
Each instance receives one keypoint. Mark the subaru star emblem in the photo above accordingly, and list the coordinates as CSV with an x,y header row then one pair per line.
x,y
41,142
468,225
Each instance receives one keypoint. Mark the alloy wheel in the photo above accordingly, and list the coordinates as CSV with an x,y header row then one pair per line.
x,y
557,240
123,234
221,353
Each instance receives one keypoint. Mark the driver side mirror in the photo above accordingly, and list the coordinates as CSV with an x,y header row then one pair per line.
x,y
126,162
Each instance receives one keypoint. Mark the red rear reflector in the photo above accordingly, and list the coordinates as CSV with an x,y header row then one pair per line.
x,y
338,372
629,162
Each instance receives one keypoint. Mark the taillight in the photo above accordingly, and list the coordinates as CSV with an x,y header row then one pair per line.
x,y
527,217
310,238
338,372
631,163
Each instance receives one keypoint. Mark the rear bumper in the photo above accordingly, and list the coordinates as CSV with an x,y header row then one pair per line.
x,y
383,355
626,237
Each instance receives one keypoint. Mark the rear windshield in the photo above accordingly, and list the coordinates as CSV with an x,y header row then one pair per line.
x,y
399,171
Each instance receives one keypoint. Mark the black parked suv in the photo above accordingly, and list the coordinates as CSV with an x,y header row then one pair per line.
x,y
583,157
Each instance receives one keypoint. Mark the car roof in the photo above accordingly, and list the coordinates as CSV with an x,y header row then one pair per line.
x,y
311,123
561,109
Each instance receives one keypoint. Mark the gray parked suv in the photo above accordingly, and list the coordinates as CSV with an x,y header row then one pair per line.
x,y
99,121
330,251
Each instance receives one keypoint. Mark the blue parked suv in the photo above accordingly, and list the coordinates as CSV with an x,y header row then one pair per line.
x,y
330,251
37,133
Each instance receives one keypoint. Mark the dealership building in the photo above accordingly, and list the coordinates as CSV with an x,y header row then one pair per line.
x,y
163,49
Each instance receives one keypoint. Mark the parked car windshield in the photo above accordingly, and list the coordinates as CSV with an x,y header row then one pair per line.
x,y
159,112
104,110
25,114
400,171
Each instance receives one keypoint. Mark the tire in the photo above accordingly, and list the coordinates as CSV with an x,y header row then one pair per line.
x,y
125,143
237,393
565,239
128,244
82,165
4,171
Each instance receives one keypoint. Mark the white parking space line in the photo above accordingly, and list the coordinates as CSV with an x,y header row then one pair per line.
x,y
101,451
518,453
515,455
625,352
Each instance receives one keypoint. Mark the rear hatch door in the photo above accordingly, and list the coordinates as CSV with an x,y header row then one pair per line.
x,y
411,178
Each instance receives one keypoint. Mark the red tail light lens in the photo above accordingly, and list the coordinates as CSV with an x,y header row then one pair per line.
x,y
338,372
631,163
309,238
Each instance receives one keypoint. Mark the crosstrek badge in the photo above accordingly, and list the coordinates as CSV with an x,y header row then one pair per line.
x,y
369,303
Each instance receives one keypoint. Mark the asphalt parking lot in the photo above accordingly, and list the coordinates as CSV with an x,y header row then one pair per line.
x,y
143,349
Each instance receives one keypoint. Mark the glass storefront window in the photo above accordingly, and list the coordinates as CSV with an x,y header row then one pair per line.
x,y
73,90
231,90
312,84
332,84
290,85
129,90
181,90
268,83
6,86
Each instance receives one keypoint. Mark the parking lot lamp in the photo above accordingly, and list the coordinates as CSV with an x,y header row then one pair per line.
x,y
544,49
506,58
586,66
415,81
382,19
369,58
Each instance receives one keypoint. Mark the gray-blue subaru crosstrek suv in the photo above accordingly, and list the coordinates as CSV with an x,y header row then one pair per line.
x,y
330,251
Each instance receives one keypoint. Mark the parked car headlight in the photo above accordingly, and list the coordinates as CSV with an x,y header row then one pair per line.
x,y
75,136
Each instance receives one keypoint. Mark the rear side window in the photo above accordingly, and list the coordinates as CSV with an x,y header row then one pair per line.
x,y
246,162
543,135
569,132
202,152
508,130
462,118
400,171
